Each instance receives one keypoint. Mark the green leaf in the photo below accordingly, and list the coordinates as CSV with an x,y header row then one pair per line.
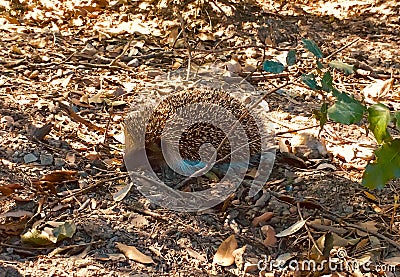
x,y
310,81
346,68
379,118
322,114
346,109
397,119
273,67
291,57
311,46
386,166
327,82
319,65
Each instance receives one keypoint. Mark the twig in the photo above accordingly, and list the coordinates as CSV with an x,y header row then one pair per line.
x,y
99,183
333,217
67,107
341,48
296,130
236,48
308,229
219,8
126,47
108,124
186,42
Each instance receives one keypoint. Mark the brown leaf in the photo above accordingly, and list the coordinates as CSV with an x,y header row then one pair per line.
x,y
368,226
224,255
270,236
196,255
394,261
9,189
262,218
60,176
41,132
14,228
132,253
19,213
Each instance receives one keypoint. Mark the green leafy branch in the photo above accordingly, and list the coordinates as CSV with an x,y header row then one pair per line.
x,y
348,110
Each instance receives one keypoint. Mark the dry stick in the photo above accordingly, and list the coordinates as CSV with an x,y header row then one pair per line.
x,y
67,108
296,130
341,48
126,47
236,48
308,230
333,217
219,8
108,124
99,183
185,37
209,165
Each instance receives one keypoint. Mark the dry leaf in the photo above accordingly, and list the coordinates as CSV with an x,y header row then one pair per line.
x,y
233,65
224,255
370,196
369,226
19,213
132,253
262,218
394,261
378,89
270,235
238,254
196,255
60,176
292,229
9,189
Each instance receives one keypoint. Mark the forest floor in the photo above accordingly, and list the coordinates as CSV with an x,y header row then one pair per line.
x,y
69,73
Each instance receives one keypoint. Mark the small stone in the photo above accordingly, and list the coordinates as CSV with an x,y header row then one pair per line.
x,y
59,162
28,158
46,159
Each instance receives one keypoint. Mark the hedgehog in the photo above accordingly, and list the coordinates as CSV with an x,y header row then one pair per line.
x,y
190,140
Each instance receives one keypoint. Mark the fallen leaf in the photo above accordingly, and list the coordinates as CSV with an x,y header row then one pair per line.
x,y
378,89
19,213
270,235
394,261
36,237
262,218
292,229
233,65
370,196
224,255
132,253
324,166
120,194
368,226
9,189
60,176
196,255
238,254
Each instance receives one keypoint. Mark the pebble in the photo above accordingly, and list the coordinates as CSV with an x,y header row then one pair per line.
x,y
28,158
46,159
59,162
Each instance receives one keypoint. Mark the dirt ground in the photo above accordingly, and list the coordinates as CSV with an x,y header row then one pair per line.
x,y
72,71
